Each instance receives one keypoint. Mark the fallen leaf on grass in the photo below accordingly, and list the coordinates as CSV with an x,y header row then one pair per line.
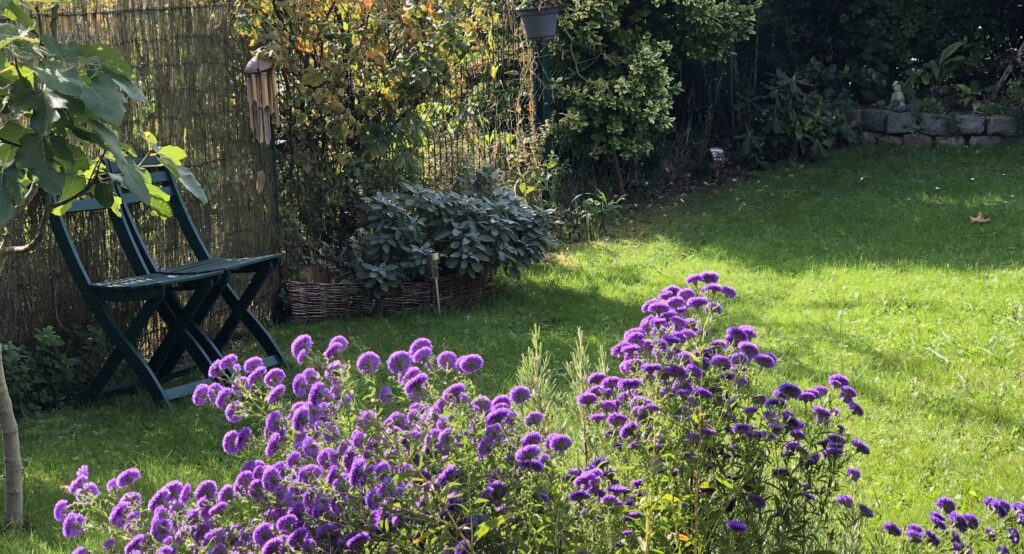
x,y
980,218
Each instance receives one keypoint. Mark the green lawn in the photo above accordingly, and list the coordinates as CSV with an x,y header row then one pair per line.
x,y
865,264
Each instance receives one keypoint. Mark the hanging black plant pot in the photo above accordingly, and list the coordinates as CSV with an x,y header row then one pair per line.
x,y
539,24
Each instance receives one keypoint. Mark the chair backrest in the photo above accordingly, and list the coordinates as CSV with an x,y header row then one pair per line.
x,y
125,227
68,246
128,230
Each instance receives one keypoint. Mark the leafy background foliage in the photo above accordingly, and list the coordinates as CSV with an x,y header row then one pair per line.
x,y
54,369
73,98
361,81
617,65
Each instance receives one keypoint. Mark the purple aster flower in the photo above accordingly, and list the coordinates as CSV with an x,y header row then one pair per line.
x,y
860,446
945,504
558,442
533,419
301,347
892,529
414,386
357,540
337,345
73,525
60,510
454,392
399,362
422,355
865,510
998,505
447,359
419,343
765,360
748,348
275,393
736,526
527,453
853,473
533,437
789,390
274,377
838,380
757,500
520,394
845,500
201,394
446,475
127,477
368,362
915,533
481,404
469,364
586,399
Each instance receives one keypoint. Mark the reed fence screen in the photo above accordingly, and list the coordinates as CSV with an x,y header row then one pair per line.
x,y
190,63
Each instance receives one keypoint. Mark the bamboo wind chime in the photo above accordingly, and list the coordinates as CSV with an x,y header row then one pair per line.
x,y
261,90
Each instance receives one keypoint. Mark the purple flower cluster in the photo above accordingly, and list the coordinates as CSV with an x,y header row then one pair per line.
x,y
685,404
340,456
333,469
965,531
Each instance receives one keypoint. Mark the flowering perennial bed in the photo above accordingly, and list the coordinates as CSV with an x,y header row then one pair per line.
x,y
679,451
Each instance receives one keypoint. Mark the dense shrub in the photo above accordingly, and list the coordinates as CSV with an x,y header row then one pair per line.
x,y
793,118
877,40
617,66
474,233
356,80
680,451
54,370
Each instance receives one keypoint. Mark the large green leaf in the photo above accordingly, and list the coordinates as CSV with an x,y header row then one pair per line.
x,y
43,119
12,132
109,58
186,178
131,175
104,99
130,89
65,80
36,156
24,98
72,188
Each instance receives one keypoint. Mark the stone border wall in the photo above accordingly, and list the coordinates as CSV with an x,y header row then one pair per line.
x,y
881,126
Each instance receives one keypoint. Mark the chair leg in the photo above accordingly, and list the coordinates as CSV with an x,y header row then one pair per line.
x,y
240,313
99,382
127,348
177,327
200,346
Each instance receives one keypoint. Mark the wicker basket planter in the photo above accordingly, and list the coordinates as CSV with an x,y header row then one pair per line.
x,y
456,292
320,301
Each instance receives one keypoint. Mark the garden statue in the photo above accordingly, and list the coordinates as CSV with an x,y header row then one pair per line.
x,y
897,101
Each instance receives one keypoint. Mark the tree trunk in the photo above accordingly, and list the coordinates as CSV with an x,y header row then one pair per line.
x,y
620,185
13,468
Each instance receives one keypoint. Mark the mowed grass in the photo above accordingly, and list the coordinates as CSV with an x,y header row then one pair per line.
x,y
866,264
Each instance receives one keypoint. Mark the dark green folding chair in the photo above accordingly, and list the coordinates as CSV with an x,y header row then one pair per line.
x,y
154,291
259,268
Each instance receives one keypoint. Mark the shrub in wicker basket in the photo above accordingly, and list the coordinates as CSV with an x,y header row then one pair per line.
x,y
475,234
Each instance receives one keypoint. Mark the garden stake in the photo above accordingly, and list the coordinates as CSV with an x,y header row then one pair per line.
x,y
435,259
